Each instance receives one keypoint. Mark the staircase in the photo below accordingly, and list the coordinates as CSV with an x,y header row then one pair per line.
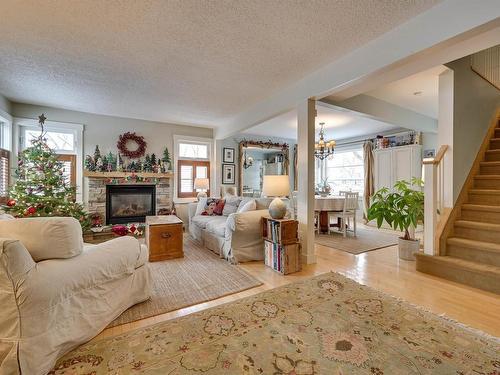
x,y
470,248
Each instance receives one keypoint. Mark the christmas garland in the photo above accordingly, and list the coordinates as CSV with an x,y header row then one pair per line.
x,y
139,140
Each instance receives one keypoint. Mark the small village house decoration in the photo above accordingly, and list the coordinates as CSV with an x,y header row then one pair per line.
x,y
124,145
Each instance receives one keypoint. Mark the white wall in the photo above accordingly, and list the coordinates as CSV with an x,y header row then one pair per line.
x,y
5,105
104,130
475,102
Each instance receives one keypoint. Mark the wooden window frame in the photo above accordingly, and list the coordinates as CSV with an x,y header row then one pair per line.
x,y
194,164
5,154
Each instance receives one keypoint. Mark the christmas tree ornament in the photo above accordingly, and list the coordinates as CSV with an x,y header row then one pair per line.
x,y
11,203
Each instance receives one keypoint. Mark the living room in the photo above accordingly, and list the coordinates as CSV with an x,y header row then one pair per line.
x,y
171,203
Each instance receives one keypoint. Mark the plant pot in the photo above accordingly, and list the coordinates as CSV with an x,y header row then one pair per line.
x,y
408,248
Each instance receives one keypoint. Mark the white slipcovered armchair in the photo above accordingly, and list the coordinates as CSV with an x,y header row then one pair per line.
x,y
57,293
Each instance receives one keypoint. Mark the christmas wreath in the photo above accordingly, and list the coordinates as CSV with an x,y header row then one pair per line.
x,y
123,141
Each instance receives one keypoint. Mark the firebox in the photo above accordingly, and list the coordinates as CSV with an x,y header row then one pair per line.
x,y
129,203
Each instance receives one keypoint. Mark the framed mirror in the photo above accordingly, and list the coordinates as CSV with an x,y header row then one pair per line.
x,y
258,159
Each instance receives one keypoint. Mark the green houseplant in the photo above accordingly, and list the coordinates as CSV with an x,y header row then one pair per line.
x,y
402,209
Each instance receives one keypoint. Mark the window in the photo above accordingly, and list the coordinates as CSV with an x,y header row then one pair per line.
x,y
193,161
59,141
193,151
344,171
4,174
187,172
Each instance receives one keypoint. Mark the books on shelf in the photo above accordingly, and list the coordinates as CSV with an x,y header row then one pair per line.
x,y
282,258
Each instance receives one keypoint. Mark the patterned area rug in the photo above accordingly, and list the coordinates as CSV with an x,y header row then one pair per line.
x,y
200,276
325,325
365,240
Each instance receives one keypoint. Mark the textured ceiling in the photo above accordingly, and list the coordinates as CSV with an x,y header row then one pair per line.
x,y
186,61
339,124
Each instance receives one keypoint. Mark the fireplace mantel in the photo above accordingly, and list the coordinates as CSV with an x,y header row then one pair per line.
x,y
127,174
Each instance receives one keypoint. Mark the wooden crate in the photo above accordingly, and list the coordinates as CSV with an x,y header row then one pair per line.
x,y
164,237
284,231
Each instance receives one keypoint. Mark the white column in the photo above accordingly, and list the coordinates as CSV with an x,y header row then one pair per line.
x,y
430,207
306,114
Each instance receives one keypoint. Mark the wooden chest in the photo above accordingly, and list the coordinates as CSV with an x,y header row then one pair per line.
x,y
164,237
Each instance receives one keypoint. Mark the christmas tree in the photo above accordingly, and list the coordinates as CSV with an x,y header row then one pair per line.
x,y
40,188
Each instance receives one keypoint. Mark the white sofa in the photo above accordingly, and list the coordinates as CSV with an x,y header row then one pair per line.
x,y
57,293
236,237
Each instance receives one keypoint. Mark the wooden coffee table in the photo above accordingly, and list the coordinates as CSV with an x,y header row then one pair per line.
x,y
164,237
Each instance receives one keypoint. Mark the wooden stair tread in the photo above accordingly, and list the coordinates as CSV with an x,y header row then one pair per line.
x,y
490,163
487,177
495,151
485,191
473,244
480,207
462,264
477,225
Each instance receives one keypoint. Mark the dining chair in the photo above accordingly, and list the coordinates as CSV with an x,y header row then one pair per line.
x,y
349,210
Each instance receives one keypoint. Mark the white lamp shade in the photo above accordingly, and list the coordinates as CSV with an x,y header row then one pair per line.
x,y
276,186
201,183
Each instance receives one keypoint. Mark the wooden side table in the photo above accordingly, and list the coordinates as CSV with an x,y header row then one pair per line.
x,y
164,237
281,245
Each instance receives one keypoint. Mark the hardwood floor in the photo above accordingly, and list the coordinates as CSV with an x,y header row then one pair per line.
x,y
379,269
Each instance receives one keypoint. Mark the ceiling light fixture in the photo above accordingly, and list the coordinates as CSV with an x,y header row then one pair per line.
x,y
322,148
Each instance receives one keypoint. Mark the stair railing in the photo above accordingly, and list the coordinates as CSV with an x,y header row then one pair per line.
x,y
433,199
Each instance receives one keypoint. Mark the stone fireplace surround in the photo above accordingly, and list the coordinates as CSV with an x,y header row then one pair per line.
x,y
97,192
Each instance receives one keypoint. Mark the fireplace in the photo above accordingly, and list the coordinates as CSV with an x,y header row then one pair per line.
x,y
129,203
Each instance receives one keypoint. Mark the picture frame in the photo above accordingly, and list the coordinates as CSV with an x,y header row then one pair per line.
x,y
228,174
228,155
430,153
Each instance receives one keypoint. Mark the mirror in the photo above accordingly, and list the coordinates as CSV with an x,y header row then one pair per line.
x,y
258,159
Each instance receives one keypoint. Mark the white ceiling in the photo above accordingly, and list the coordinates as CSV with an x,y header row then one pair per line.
x,y
402,92
339,124
189,61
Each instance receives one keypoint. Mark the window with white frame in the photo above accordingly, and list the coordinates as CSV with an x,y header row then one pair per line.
x,y
4,159
193,161
344,170
65,139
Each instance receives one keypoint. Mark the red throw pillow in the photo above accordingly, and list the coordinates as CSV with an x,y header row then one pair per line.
x,y
219,207
209,207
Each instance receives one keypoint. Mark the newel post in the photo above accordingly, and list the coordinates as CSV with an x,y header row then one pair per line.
x,y
430,208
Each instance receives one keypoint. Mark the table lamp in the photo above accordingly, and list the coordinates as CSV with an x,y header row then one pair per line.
x,y
201,185
276,186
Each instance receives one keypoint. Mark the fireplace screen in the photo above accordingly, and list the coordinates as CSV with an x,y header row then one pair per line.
x,y
129,203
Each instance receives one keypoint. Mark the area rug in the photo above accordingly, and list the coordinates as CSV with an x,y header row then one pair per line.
x,y
365,240
198,277
328,324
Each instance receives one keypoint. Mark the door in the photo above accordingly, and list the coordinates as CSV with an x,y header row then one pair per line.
x,y
402,164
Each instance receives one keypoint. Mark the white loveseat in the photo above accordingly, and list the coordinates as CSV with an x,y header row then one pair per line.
x,y
57,293
236,237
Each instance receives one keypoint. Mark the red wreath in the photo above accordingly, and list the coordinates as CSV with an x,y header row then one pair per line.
x,y
137,139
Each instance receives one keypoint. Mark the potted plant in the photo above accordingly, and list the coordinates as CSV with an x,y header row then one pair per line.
x,y
402,209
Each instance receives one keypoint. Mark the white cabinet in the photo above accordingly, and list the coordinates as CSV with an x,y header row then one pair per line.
x,y
396,164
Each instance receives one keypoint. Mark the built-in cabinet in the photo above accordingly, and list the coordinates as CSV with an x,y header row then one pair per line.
x,y
396,164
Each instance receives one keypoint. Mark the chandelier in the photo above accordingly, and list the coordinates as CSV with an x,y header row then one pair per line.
x,y
322,148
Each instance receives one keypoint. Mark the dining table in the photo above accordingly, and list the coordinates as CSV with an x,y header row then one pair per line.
x,y
326,204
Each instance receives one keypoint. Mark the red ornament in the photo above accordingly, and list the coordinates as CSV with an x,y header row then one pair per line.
x,y
11,203
120,230
132,229
31,210
131,137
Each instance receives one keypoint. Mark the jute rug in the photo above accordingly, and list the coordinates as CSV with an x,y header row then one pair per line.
x,y
198,277
365,240
328,324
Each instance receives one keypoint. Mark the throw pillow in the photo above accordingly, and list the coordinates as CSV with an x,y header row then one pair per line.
x,y
231,205
200,207
219,207
211,207
248,206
